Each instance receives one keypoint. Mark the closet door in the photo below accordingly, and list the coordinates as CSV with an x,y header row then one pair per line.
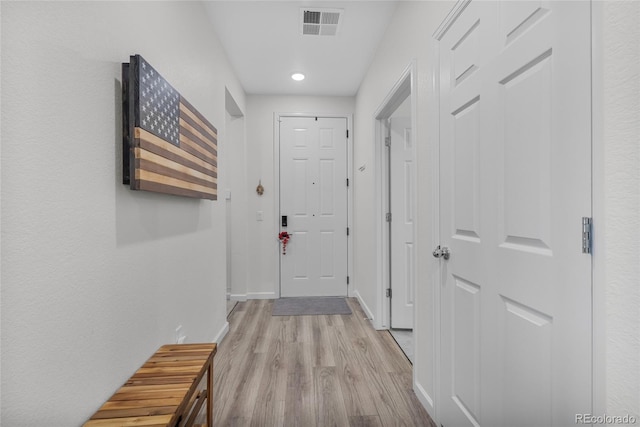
x,y
515,184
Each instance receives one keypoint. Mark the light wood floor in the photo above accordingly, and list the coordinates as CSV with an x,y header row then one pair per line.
x,y
311,371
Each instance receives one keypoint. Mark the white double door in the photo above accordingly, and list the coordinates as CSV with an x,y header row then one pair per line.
x,y
313,198
515,182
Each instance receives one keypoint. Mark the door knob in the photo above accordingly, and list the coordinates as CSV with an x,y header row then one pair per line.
x,y
442,252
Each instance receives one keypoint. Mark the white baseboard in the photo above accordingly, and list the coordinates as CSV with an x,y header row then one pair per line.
x,y
261,295
364,306
425,400
238,297
222,333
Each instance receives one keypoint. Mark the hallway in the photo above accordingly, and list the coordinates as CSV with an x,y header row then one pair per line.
x,y
311,371
96,277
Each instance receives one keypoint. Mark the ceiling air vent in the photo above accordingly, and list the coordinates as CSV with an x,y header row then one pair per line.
x,y
321,22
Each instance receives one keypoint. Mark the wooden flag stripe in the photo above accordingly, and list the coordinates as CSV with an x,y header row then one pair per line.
x,y
188,144
196,113
161,188
156,145
151,177
210,144
168,172
166,168
143,154
206,142
191,118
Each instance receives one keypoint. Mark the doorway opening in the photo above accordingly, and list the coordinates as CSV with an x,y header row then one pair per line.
x,y
396,161
236,201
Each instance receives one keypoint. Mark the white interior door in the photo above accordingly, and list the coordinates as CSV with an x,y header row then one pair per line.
x,y
515,183
401,198
313,197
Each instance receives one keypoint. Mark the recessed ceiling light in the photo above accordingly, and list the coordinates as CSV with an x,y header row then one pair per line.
x,y
297,76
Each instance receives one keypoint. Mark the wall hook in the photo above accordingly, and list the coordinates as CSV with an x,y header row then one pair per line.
x,y
260,188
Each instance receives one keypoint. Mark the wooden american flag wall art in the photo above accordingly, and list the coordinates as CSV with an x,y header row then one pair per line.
x,y
168,146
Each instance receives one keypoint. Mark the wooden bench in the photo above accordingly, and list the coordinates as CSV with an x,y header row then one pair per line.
x,y
174,388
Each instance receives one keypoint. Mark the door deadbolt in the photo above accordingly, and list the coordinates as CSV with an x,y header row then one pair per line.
x,y
442,252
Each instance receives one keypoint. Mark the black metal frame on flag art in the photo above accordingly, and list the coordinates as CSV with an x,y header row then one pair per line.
x,y
168,146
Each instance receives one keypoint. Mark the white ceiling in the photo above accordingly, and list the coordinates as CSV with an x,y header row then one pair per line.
x,y
265,46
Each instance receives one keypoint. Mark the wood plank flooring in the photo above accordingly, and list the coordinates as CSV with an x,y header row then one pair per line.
x,y
311,371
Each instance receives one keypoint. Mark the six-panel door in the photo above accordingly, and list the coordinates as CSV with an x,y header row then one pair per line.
x,y
313,196
515,182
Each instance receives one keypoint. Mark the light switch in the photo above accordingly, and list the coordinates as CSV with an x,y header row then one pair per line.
x,y
259,216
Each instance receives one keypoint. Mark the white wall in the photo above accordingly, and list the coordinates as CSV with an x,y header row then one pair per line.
x,y
96,277
408,37
621,169
263,254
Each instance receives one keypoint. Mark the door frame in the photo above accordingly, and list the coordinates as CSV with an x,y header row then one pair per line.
x,y
598,211
237,286
405,86
276,179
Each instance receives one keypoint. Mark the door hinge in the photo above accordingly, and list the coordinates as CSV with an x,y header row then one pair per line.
x,y
587,232
387,141
347,280
388,217
347,231
347,182
388,293
347,133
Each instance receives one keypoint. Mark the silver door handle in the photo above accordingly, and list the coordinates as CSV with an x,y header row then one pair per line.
x,y
442,252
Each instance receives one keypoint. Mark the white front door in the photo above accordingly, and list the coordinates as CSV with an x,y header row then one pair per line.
x,y
401,197
313,198
515,183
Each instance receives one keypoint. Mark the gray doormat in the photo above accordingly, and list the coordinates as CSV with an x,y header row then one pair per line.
x,y
309,306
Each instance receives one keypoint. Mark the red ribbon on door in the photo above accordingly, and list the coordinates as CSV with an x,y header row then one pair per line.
x,y
284,239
